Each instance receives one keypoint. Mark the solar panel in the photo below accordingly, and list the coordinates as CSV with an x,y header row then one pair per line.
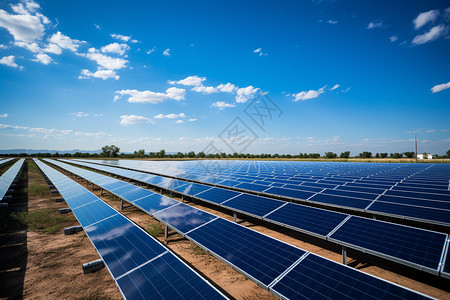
x,y
445,269
413,245
8,177
304,218
261,257
192,189
154,203
217,195
164,278
319,278
93,212
416,202
254,205
340,201
297,194
183,217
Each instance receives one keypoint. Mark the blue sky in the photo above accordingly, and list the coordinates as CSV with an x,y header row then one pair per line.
x,y
175,75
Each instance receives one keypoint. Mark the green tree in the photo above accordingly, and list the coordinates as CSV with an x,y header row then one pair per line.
x,y
409,154
140,153
448,153
365,154
383,155
396,155
377,155
161,154
330,155
345,154
314,155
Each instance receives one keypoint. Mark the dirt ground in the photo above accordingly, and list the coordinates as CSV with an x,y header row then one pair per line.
x,y
35,264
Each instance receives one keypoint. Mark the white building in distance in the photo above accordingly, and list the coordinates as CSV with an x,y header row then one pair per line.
x,y
424,156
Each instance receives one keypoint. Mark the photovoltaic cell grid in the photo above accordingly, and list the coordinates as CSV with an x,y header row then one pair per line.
x,y
413,191
411,246
139,264
267,261
9,176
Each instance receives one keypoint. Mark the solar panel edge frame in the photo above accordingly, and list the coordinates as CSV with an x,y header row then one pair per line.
x,y
167,250
444,261
426,221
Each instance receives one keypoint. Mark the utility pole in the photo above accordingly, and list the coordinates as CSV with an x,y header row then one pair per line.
x,y
415,142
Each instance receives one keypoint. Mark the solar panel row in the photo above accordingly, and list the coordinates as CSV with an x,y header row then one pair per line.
x,y
141,267
9,176
383,189
419,248
275,265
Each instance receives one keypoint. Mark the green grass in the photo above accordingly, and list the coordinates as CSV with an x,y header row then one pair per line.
x,y
37,189
41,219
154,230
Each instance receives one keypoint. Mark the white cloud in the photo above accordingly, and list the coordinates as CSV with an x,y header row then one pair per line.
x,y
151,50
332,21
226,88
205,89
170,116
90,134
243,94
440,87
4,47
43,58
335,87
103,74
393,38
52,48
121,37
80,114
5,115
166,52
346,90
10,61
179,121
5,126
33,47
424,18
375,24
107,62
152,97
23,26
133,119
306,95
51,132
259,52
115,48
97,26
189,81
222,105
64,42
192,120
433,34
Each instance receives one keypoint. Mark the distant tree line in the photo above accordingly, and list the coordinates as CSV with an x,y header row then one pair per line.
x,y
113,151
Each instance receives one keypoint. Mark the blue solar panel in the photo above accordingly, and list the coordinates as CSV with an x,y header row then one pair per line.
x,y
317,221
184,217
93,212
82,199
122,245
260,256
446,263
136,194
252,187
350,194
114,185
192,189
255,205
417,246
340,201
229,183
303,188
168,278
350,187
124,189
297,194
154,203
430,196
416,202
217,195
414,212
318,278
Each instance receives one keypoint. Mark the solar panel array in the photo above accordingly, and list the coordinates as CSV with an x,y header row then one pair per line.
x,y
141,266
411,191
275,265
4,161
9,176
415,247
